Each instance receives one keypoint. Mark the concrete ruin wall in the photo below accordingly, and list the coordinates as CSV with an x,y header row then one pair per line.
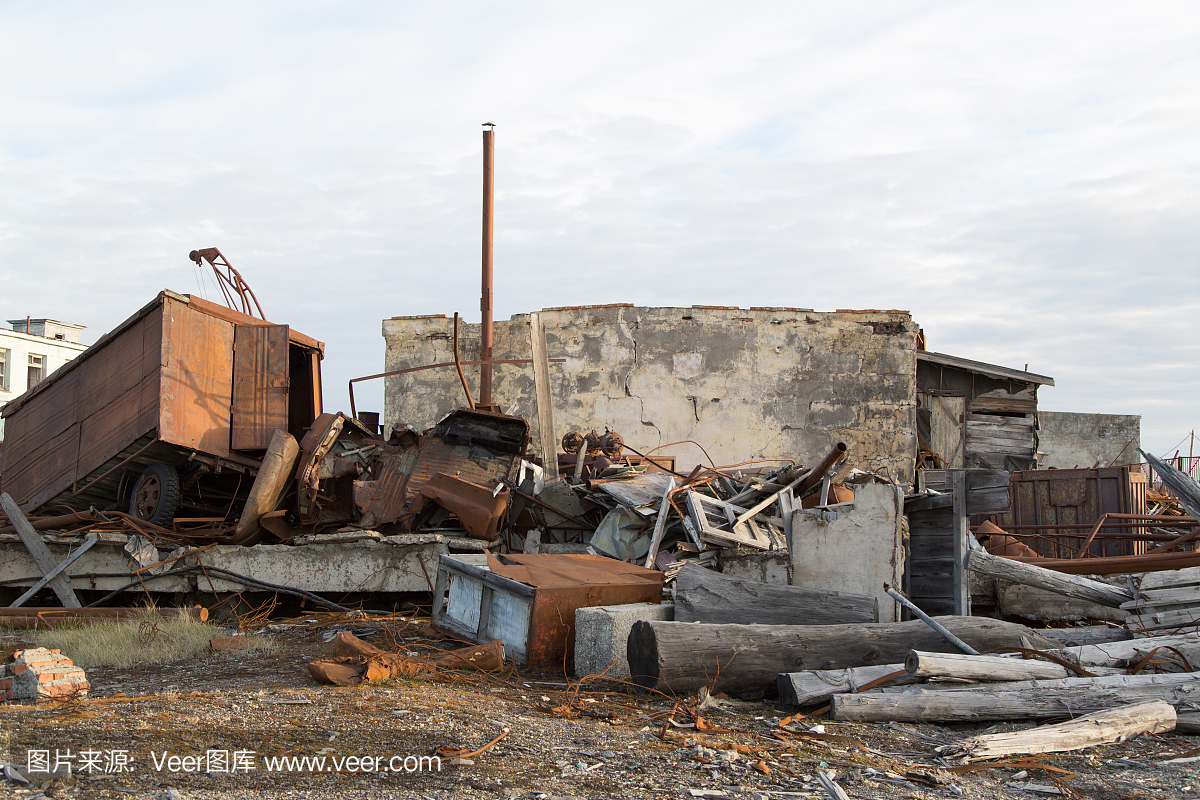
x,y
746,384
1080,440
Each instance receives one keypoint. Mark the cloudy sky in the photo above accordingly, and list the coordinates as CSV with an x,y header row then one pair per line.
x,y
1023,177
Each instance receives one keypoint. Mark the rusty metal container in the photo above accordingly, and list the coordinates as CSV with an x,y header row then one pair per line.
x,y
1074,497
529,601
184,383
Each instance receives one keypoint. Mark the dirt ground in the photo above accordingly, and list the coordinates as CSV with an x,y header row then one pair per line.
x,y
147,732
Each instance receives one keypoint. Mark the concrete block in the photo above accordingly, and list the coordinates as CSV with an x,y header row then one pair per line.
x,y
601,634
858,551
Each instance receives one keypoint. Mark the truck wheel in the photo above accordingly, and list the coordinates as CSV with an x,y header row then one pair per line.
x,y
156,495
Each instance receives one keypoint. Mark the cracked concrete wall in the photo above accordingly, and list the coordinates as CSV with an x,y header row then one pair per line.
x,y
746,384
1071,439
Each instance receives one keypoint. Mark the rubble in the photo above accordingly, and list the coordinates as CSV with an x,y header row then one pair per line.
x,y
38,674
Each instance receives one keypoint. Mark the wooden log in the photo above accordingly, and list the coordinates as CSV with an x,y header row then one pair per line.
x,y
745,660
1091,634
816,686
1027,700
980,668
702,595
1101,727
1030,575
1187,722
1121,654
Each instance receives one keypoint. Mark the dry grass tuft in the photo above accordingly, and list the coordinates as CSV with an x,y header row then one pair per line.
x,y
152,640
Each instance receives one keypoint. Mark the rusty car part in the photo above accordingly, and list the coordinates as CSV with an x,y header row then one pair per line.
x,y
572,441
269,487
529,601
479,508
169,385
229,280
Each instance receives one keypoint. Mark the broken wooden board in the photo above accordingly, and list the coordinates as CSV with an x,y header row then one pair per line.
x,y
38,551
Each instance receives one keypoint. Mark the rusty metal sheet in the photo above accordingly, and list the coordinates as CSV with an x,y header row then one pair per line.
x,y
197,379
476,446
381,500
551,588
478,508
1046,497
260,385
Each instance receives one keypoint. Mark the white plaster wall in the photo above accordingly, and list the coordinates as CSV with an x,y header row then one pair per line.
x,y
745,384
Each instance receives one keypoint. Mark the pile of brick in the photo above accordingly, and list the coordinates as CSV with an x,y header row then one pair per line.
x,y
40,674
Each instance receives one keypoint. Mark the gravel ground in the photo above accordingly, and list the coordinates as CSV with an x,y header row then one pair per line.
x,y
592,743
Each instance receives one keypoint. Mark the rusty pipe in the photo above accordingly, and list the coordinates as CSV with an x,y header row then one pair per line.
x,y
835,455
485,302
458,364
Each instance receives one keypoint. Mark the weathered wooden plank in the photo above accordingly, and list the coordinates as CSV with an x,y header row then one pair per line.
x,y
1100,727
1122,653
1177,595
38,551
1170,578
547,441
1164,620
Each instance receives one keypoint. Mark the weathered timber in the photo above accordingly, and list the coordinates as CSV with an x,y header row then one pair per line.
x,y
816,686
1030,575
1171,578
1123,653
702,595
1182,485
1029,700
1101,727
1156,598
1186,618
1091,634
980,668
1187,722
38,551
746,659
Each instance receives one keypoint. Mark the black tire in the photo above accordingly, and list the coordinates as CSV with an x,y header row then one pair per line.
x,y
156,494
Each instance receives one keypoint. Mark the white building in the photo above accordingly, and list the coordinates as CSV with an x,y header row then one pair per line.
x,y
32,350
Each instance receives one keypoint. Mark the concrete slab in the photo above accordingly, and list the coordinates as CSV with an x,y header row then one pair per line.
x,y
601,634
858,552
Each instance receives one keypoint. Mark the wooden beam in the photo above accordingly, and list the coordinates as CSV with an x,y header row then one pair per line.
x,y
961,529
38,551
547,443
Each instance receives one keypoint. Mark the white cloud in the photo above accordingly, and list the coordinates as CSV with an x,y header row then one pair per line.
x,y
1020,176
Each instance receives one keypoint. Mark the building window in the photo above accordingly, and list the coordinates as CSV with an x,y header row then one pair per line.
x,y
3,370
37,370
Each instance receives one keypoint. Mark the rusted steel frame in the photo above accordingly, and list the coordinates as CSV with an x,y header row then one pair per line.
x,y
826,464
1178,540
485,302
652,461
51,523
76,492
231,280
1106,565
458,364
393,373
1083,549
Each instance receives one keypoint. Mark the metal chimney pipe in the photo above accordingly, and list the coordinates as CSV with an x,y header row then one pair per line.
x,y
485,303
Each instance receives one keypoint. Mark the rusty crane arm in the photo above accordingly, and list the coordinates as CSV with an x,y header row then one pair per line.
x,y
230,281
